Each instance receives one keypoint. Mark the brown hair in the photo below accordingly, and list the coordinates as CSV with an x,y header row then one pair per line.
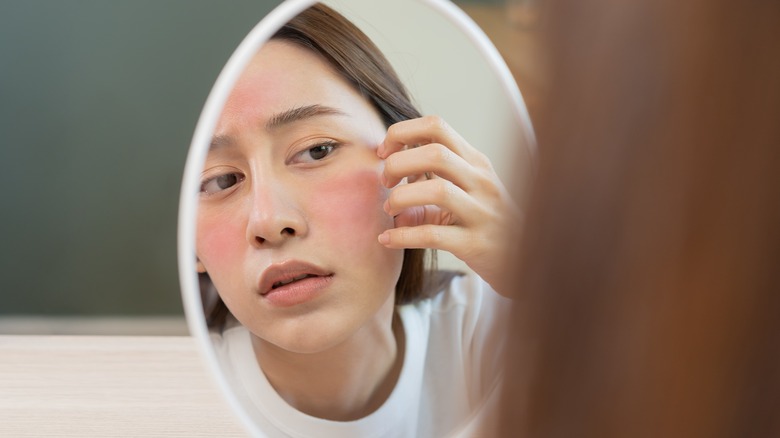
x,y
357,59
649,281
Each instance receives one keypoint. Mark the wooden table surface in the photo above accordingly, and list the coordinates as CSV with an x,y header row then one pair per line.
x,y
77,386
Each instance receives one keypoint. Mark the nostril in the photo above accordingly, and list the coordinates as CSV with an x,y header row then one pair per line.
x,y
288,231
259,240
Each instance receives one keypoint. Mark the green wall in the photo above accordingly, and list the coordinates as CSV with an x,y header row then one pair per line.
x,y
98,102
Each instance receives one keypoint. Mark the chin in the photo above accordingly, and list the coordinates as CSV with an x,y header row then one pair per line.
x,y
308,338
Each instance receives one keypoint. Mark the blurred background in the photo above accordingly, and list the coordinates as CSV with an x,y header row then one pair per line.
x,y
98,102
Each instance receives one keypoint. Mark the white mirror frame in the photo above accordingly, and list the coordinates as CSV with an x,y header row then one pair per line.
x,y
188,201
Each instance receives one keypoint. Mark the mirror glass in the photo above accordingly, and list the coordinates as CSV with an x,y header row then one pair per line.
x,y
282,192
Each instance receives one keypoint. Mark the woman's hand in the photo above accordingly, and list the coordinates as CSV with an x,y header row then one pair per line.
x,y
454,201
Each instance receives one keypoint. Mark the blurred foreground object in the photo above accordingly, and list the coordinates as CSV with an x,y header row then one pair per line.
x,y
649,289
523,14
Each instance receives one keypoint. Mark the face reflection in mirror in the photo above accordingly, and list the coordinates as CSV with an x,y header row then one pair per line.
x,y
291,188
317,327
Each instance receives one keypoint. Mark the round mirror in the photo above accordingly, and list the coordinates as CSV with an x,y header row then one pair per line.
x,y
310,323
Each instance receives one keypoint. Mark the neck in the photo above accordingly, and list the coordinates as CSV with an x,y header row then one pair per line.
x,y
345,382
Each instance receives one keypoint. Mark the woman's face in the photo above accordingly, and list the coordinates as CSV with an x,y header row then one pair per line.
x,y
291,193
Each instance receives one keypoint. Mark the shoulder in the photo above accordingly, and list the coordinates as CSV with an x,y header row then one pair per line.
x,y
463,327
466,293
465,308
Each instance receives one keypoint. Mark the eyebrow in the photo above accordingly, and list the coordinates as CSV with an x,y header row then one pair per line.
x,y
284,118
301,113
220,141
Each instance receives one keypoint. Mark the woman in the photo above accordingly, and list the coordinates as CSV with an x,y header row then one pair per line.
x,y
321,188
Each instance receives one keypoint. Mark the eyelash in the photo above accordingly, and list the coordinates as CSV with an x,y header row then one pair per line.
x,y
215,179
238,177
330,144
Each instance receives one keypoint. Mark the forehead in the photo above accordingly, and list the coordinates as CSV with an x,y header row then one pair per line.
x,y
283,75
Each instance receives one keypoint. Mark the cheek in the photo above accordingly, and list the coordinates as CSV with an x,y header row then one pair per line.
x,y
350,205
218,240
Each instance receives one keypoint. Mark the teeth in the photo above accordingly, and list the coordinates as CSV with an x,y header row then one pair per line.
x,y
282,283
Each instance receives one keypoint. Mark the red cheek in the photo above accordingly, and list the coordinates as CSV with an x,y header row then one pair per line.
x,y
349,206
219,239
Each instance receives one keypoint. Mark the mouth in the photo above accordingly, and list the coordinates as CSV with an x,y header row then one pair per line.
x,y
292,280
289,274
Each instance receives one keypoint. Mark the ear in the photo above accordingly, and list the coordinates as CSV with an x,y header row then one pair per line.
x,y
201,268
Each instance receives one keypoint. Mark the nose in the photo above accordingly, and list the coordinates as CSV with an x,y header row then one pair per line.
x,y
275,215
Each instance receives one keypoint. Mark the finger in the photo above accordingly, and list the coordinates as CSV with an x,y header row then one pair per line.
x,y
422,215
443,237
435,158
414,216
418,177
425,130
438,192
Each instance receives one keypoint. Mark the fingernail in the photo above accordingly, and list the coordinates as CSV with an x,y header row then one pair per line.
x,y
384,238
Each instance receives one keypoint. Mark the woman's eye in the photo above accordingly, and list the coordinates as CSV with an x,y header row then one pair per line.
x,y
221,182
315,153
320,152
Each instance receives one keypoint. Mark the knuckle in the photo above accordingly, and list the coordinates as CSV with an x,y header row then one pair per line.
x,y
488,183
482,160
444,190
392,131
440,153
483,181
436,123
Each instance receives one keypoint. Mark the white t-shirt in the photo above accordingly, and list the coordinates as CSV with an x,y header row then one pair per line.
x,y
452,362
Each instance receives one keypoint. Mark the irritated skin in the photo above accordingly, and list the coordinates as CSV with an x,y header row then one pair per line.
x,y
276,195
303,171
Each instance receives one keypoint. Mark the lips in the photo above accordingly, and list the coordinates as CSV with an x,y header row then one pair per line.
x,y
284,282
288,272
